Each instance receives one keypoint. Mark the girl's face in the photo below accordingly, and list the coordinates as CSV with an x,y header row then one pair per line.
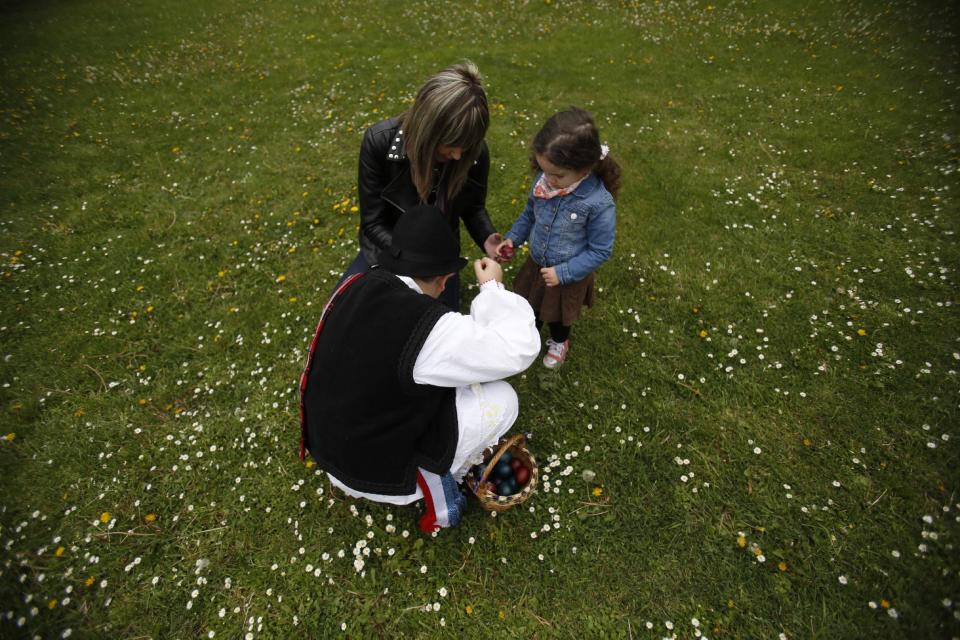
x,y
559,177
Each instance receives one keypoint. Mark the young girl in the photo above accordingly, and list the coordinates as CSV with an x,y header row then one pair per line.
x,y
569,222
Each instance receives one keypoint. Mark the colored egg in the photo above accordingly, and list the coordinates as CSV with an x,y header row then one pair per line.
x,y
523,476
515,464
507,487
506,457
502,470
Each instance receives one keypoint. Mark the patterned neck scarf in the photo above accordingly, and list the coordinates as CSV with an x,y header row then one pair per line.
x,y
543,189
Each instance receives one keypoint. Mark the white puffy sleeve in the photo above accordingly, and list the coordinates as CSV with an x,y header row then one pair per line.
x,y
498,339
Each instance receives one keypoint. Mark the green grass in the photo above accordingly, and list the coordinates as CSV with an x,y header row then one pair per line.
x,y
176,182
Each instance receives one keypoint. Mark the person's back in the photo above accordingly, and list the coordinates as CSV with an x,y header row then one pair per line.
x,y
374,336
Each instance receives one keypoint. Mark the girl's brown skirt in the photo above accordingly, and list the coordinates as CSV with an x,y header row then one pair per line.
x,y
553,304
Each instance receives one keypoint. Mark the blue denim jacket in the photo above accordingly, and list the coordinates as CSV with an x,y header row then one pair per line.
x,y
572,233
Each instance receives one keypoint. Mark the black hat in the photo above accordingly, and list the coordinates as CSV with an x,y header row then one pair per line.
x,y
423,245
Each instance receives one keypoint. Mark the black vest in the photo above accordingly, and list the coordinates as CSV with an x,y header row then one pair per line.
x,y
367,422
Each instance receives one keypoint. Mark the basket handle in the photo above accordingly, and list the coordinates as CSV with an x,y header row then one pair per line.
x,y
496,457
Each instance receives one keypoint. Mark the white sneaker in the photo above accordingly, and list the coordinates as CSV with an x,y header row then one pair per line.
x,y
556,353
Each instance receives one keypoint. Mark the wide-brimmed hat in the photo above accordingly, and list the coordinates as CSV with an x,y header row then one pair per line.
x,y
423,245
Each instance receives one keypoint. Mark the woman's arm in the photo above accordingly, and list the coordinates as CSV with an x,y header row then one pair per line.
x,y
370,183
474,214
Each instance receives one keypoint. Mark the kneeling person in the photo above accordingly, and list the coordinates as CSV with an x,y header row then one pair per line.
x,y
400,395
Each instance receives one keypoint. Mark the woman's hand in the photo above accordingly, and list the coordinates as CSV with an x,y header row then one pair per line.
x,y
549,275
491,244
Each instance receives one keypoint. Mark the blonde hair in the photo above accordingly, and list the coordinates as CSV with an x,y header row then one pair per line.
x,y
451,110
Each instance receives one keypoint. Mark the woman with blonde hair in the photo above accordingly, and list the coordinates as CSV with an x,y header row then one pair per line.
x,y
433,154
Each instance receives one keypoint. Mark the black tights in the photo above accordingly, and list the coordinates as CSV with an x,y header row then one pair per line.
x,y
559,332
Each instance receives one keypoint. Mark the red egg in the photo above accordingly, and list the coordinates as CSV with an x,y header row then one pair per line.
x,y
506,251
515,464
523,475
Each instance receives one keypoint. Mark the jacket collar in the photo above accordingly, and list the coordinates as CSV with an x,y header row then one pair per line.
x,y
396,152
588,186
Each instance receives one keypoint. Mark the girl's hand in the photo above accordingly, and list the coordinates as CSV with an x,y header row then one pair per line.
x,y
549,275
491,244
505,251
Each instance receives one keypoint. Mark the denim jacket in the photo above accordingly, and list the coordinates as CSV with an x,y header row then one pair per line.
x,y
572,233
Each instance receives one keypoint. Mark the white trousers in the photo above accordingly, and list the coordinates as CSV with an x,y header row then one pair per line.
x,y
484,413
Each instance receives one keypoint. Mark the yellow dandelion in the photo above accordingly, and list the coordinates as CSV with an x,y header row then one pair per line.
x,y
885,603
105,517
354,209
807,442
142,402
501,615
150,517
78,413
861,332
469,610
703,333
10,437
52,604
782,566
281,278
59,551
597,492
741,541
89,581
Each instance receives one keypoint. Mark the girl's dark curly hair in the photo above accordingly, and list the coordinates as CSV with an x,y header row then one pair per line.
x,y
570,139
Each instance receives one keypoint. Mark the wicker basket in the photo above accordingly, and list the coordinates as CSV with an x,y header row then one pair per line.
x,y
489,500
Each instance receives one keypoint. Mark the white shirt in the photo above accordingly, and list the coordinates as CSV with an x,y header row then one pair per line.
x,y
498,339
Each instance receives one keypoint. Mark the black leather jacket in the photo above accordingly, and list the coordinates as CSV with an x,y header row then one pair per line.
x,y
386,191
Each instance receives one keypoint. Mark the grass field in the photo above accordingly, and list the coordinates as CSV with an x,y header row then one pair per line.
x,y
766,390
